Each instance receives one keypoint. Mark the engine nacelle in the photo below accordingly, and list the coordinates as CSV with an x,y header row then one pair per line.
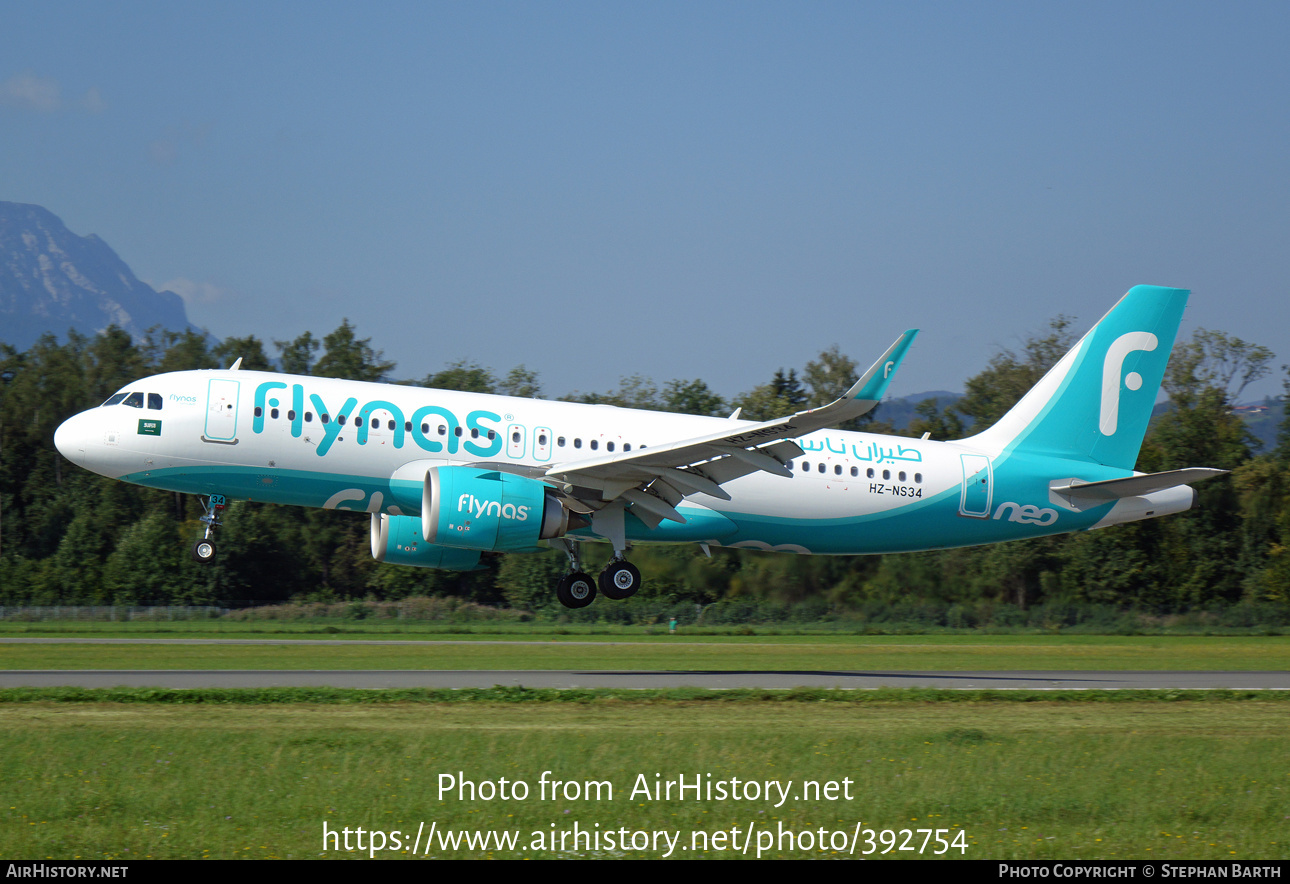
x,y
469,508
397,540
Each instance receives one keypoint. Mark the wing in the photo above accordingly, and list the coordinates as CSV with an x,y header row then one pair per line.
x,y
654,480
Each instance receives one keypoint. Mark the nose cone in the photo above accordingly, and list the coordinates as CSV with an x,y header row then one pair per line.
x,y
71,438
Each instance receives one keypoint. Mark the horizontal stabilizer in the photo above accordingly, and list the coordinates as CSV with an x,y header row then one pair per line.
x,y
1079,494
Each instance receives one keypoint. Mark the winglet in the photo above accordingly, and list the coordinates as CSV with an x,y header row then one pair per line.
x,y
873,384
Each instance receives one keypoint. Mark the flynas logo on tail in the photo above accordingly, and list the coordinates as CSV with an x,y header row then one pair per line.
x,y
1113,367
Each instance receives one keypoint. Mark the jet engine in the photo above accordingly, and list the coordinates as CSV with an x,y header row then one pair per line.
x,y
397,540
469,508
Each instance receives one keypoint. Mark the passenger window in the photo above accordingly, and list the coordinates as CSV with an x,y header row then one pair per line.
x,y
806,467
134,400
443,430
627,446
291,415
325,418
886,474
854,472
821,468
515,437
407,427
474,434
577,443
273,413
492,434
869,472
390,425
609,446
259,412
560,441
341,420
376,424
902,475
541,438
425,429
595,444
309,417
456,431
918,477
837,469
154,401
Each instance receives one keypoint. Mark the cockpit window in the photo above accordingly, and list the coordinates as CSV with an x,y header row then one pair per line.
x,y
114,399
154,401
134,400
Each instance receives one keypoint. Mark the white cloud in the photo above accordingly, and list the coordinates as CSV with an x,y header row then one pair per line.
x,y
193,293
30,92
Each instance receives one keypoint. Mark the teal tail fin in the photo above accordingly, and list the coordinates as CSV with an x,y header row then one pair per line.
x,y
1094,404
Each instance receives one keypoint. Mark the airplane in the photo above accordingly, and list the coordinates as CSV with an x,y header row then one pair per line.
x,y
449,478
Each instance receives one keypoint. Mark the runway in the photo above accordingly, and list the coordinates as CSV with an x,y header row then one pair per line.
x,y
375,679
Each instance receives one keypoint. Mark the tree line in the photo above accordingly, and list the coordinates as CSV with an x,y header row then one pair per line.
x,y
68,536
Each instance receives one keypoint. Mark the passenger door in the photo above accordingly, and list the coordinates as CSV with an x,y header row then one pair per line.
x,y
975,501
221,411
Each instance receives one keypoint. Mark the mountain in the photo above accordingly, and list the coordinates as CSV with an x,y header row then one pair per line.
x,y
52,280
1263,419
901,412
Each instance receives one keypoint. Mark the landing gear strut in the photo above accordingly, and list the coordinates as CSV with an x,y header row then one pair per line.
x,y
575,589
204,549
618,581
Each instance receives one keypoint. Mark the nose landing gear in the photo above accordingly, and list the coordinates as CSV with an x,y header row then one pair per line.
x,y
204,549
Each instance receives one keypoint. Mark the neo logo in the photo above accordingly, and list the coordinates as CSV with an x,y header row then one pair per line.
x,y
1112,368
1026,514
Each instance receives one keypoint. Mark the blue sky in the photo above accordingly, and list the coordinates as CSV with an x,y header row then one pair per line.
x,y
677,190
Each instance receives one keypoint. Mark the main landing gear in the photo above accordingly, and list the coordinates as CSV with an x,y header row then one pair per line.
x,y
204,549
575,590
618,581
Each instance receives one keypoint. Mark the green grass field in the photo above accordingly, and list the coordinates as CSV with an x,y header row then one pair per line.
x,y
104,774
1145,779
797,652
